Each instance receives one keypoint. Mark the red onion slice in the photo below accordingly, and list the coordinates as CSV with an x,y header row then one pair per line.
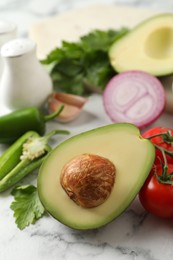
x,y
135,97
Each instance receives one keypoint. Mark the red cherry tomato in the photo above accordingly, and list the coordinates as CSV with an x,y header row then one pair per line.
x,y
159,140
157,198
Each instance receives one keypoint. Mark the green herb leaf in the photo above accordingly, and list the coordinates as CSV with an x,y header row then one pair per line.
x,y
77,67
101,40
26,205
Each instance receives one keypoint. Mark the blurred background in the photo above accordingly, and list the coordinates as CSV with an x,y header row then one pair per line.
x,y
23,12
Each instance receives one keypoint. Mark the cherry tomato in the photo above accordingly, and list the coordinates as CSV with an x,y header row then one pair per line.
x,y
156,197
159,140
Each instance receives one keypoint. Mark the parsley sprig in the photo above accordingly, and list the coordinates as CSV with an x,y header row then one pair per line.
x,y
26,205
83,66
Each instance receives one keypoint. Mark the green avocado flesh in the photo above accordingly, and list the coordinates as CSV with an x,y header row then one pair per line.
x,y
123,145
147,47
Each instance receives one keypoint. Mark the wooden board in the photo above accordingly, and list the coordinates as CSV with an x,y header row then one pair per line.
x,y
72,24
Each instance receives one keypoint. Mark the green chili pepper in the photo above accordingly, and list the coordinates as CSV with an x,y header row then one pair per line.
x,y
11,157
24,156
15,124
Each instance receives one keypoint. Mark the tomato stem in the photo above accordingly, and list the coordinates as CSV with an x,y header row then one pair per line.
x,y
165,177
166,136
164,150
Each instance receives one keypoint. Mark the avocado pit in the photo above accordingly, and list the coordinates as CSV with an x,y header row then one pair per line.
x,y
88,179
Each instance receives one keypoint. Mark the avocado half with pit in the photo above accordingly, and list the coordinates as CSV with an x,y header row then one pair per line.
x,y
91,178
147,47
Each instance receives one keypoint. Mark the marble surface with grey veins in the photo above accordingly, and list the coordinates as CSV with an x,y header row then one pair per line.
x,y
135,235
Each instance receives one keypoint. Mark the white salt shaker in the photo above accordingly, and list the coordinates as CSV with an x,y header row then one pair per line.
x,y
24,81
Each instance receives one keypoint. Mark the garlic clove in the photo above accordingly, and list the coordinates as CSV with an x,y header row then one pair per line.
x,y
72,105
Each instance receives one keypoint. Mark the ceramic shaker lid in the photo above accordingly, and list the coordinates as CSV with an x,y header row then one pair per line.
x,y
17,47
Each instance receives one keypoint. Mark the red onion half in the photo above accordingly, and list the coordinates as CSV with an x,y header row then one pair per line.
x,y
135,97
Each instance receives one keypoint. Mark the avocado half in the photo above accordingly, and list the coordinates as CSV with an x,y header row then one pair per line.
x,y
123,145
147,47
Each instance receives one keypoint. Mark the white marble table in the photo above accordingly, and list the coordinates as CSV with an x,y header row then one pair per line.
x,y
135,235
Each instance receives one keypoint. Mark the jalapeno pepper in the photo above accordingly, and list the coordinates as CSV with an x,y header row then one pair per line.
x,y
15,124
24,156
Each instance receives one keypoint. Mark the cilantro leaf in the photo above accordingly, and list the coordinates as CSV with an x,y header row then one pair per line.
x,y
83,66
26,205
